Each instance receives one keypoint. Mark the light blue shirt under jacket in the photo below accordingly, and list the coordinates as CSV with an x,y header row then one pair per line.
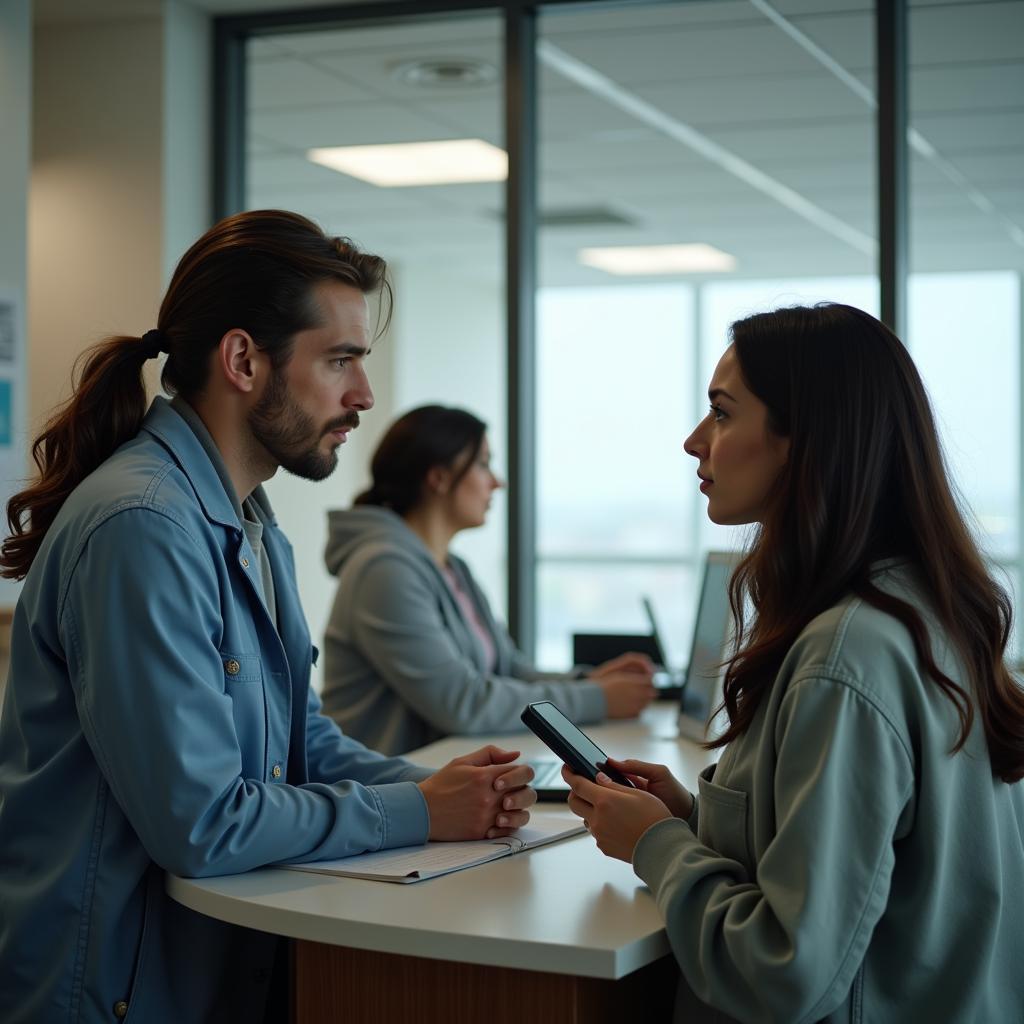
x,y
156,719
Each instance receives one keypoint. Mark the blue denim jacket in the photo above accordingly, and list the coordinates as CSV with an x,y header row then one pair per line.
x,y
156,720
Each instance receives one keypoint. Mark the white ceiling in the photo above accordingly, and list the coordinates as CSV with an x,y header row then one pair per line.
x,y
719,67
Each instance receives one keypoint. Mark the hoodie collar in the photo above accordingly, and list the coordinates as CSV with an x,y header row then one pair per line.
x,y
349,529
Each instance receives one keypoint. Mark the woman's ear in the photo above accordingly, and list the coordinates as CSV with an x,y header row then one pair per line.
x,y
438,480
780,449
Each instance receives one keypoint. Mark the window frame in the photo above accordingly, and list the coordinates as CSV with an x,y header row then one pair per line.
x,y
232,32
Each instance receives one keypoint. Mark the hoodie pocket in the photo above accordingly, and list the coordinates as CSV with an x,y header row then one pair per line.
x,y
723,822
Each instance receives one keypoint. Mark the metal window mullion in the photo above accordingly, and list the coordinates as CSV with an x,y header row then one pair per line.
x,y
230,75
698,400
891,72
521,285
1019,554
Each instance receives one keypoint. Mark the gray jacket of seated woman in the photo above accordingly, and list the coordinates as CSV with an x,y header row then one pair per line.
x,y
402,667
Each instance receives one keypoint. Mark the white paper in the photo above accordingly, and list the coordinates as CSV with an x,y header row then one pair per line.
x,y
412,863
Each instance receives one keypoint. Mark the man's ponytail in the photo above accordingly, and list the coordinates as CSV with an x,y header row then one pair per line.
x,y
105,410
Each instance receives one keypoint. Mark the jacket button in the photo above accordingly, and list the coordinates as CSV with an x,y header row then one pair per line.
x,y
276,771
120,1009
245,563
232,667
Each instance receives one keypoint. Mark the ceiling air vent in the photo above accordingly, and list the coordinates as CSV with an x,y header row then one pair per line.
x,y
576,217
581,217
446,72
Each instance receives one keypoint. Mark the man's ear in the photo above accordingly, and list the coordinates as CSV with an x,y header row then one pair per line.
x,y
240,362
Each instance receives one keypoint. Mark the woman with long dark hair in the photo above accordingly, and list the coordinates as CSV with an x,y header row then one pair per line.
x,y
858,852
412,651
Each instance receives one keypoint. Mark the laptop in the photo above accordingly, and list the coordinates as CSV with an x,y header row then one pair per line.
x,y
595,648
667,681
702,679
713,631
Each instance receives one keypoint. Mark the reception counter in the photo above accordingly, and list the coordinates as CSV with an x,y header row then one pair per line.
x,y
558,933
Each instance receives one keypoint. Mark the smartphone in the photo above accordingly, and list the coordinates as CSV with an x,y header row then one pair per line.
x,y
579,752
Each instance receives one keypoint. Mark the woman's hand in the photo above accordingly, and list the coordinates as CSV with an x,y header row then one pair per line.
x,y
626,694
657,779
481,795
616,816
638,664
626,682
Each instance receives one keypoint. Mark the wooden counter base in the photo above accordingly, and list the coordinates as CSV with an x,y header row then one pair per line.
x,y
333,984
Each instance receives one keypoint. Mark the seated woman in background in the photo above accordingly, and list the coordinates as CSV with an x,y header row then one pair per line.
x,y
858,852
412,652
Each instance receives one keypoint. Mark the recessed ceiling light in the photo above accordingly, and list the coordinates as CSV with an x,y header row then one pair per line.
x,y
400,164
694,258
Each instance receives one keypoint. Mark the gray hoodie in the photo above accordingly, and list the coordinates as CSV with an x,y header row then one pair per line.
x,y
402,667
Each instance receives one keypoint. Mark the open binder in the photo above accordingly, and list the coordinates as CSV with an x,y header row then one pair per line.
x,y
415,863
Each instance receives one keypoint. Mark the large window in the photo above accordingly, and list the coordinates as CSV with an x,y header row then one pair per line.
x,y
740,132
967,252
615,517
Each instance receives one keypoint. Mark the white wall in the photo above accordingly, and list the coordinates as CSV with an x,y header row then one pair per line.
x,y
15,157
95,233
120,179
451,350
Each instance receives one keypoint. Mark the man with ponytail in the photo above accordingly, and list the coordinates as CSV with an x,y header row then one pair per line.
x,y
158,714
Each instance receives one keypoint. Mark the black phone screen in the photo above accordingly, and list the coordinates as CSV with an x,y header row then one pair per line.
x,y
553,724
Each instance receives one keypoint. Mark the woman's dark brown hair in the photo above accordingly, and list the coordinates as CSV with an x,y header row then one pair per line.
x,y
255,271
432,435
865,480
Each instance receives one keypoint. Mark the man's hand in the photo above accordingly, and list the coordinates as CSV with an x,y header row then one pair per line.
x,y
481,795
616,816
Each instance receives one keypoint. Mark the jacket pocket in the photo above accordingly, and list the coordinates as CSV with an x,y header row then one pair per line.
x,y
723,821
134,1007
243,683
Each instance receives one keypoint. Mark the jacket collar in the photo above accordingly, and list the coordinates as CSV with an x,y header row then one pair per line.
x,y
175,434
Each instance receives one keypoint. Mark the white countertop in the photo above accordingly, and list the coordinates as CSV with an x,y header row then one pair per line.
x,y
564,907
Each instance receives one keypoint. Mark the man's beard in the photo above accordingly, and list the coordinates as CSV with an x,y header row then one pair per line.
x,y
290,435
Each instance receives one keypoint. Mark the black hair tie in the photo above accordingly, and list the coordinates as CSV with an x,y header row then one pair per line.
x,y
154,343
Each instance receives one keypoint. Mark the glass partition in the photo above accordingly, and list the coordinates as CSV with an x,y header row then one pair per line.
x,y
316,101
697,162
